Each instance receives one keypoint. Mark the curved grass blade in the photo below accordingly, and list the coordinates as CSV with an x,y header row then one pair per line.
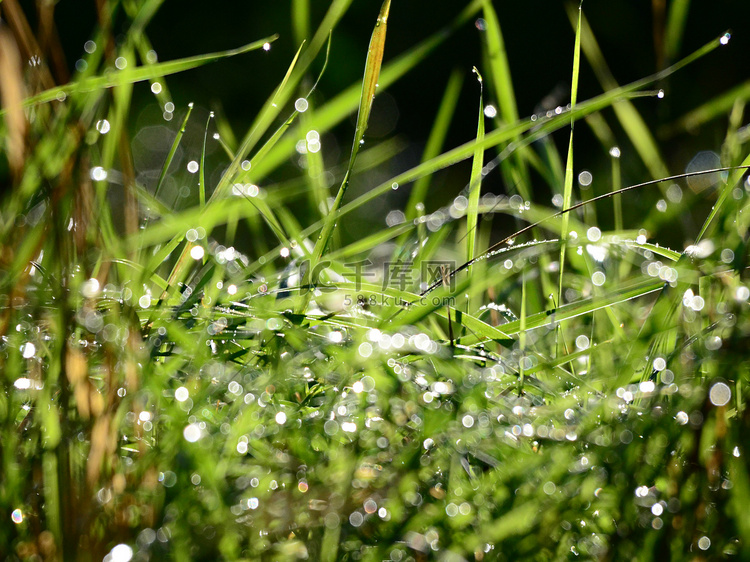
x,y
139,74
525,229
173,150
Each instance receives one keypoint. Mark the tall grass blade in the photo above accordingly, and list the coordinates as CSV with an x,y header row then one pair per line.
x,y
475,183
369,85
676,20
568,185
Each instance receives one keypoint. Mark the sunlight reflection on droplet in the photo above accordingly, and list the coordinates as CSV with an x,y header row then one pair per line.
x,y
490,111
197,252
720,394
365,349
594,234
192,433
17,516
301,105
98,173
585,178
28,350
181,394
281,418
120,553
121,63
156,88
102,126
192,166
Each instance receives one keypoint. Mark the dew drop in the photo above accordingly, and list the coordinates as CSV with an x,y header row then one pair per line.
x,y
725,38
720,394
192,433
98,173
121,553
598,278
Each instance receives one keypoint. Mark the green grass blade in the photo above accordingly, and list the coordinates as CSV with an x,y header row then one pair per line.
x,y
514,169
676,20
568,183
139,74
202,165
631,121
369,85
717,107
726,194
475,183
267,115
173,150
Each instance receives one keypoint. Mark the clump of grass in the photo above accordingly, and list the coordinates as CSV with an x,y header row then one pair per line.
x,y
170,392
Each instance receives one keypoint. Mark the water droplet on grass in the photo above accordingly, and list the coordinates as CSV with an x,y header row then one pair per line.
x,y
17,516
725,40
28,350
98,173
120,553
720,394
192,433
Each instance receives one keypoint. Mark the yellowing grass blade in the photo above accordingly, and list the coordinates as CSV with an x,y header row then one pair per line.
x,y
370,80
369,85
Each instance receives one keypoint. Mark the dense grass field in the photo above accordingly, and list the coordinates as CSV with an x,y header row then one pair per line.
x,y
275,342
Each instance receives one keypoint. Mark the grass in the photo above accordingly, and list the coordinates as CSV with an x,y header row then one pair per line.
x,y
220,371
